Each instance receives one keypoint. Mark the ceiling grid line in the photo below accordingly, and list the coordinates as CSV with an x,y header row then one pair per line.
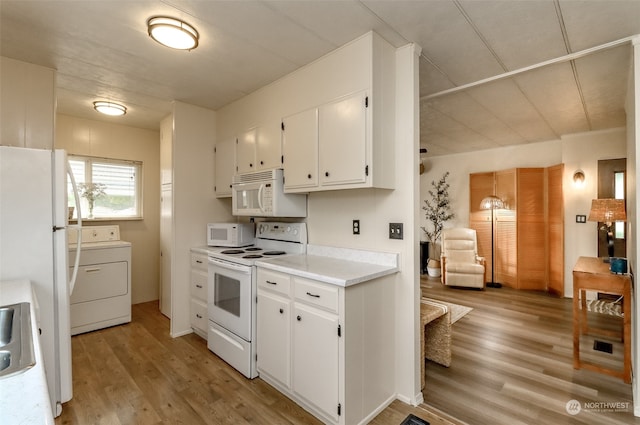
x,y
574,70
495,55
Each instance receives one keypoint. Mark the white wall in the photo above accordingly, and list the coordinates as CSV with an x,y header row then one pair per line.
x,y
27,104
582,151
96,138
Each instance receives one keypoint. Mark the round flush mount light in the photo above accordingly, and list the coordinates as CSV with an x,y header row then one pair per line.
x,y
173,33
109,108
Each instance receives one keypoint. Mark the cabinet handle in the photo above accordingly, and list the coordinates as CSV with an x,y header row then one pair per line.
x,y
281,310
326,174
198,316
308,176
199,261
272,283
250,165
93,270
261,162
313,295
299,318
199,286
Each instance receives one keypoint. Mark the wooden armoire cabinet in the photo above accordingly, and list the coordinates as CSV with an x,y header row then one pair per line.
x,y
527,232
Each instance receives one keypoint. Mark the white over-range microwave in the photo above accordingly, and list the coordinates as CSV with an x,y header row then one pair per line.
x,y
230,234
261,194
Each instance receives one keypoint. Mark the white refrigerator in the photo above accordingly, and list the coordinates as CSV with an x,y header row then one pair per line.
x,y
33,246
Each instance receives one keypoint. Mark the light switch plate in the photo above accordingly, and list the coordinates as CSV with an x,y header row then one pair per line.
x,y
395,231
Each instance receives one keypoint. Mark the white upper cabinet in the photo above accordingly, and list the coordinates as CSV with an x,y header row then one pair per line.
x,y
354,130
300,150
332,122
343,141
258,148
225,167
246,151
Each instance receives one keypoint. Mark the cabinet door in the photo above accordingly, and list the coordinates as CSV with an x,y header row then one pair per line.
x,y
273,334
315,358
225,167
300,150
246,151
342,141
268,146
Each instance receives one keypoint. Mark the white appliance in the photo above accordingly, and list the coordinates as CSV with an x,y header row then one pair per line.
x,y
33,246
102,294
232,293
261,194
230,234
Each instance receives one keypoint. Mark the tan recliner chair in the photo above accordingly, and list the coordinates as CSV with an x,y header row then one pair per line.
x,y
459,261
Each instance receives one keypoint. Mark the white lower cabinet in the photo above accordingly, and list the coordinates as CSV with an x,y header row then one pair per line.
x,y
315,358
199,275
274,324
316,345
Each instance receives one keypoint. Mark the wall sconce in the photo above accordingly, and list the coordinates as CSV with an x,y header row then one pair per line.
x,y
578,178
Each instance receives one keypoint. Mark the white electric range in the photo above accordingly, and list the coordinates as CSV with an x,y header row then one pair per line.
x,y
232,293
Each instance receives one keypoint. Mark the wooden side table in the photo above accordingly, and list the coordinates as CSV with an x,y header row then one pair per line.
x,y
591,273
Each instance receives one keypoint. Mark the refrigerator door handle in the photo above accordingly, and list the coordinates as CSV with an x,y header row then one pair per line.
x,y
76,265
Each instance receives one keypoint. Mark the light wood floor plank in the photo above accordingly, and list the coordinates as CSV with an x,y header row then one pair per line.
x,y
512,362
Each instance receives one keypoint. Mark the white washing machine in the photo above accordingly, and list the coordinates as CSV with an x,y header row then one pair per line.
x,y
102,293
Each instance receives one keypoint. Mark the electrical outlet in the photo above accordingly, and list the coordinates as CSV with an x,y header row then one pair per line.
x,y
356,227
395,231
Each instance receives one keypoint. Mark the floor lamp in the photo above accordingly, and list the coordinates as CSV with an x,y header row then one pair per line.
x,y
492,203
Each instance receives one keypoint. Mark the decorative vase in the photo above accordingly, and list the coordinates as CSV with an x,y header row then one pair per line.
x,y
433,268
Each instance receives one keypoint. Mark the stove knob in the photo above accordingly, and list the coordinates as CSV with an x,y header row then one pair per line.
x,y
261,229
295,232
288,229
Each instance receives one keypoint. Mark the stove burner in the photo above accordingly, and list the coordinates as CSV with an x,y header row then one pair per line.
x,y
253,248
274,253
252,256
232,251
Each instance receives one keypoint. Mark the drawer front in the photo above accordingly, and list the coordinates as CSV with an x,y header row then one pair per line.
x,y
199,262
100,281
199,314
274,281
317,294
199,285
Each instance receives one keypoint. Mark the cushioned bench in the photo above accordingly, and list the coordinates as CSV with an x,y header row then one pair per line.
x,y
435,335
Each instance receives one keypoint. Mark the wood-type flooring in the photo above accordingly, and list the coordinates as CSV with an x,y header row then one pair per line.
x,y
512,363
137,374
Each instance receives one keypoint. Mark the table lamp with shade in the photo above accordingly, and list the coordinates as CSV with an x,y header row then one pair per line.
x,y
492,203
607,211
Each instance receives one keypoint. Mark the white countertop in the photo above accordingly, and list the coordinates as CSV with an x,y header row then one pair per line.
x,y
24,398
337,266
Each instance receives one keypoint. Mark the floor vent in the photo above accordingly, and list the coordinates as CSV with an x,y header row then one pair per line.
x,y
414,420
605,347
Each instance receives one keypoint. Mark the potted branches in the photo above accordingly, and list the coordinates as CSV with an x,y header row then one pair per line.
x,y
438,211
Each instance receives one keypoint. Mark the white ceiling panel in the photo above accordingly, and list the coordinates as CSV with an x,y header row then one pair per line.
x,y
592,23
504,99
553,92
521,33
100,48
604,78
445,36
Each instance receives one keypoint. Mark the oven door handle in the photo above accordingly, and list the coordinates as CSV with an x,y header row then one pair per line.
x,y
230,266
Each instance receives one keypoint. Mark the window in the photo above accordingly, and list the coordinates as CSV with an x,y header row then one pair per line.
x,y
115,186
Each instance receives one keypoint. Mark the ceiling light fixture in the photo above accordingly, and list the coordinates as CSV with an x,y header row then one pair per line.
x,y
173,33
109,108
